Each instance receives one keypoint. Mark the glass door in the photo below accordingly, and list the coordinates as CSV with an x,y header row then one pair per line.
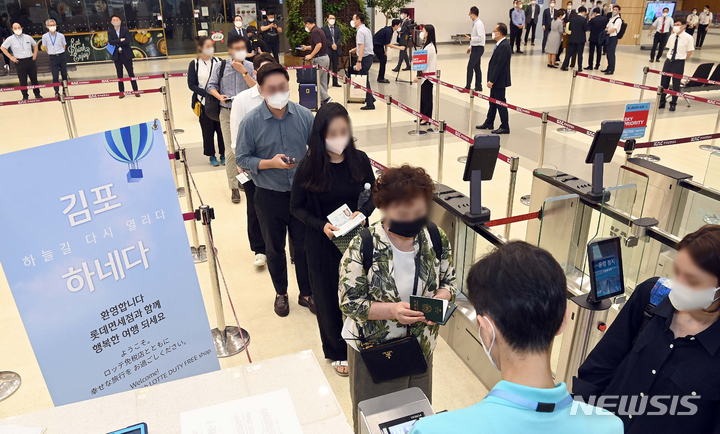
x,y
179,20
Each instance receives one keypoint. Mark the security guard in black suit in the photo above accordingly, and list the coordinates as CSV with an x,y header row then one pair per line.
x,y
498,77
404,39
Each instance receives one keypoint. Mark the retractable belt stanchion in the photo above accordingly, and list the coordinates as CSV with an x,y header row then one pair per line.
x,y
171,151
417,131
9,383
642,89
166,77
647,155
514,165
566,130
436,104
318,80
441,150
345,93
463,158
543,137
228,339
388,102
67,117
199,252
711,147
68,103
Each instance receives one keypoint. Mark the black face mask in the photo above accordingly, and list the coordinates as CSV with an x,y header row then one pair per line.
x,y
408,229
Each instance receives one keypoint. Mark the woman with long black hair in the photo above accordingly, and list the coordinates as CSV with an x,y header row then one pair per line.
x,y
199,72
426,92
332,174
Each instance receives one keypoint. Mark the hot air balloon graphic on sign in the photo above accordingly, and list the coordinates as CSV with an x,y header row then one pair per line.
x,y
129,145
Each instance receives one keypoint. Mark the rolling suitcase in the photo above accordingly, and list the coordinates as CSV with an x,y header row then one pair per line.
x,y
308,96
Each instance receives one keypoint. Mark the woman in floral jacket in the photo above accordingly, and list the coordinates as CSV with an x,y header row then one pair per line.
x,y
377,302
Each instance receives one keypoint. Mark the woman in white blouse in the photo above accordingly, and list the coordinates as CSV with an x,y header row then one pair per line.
x,y
198,75
426,92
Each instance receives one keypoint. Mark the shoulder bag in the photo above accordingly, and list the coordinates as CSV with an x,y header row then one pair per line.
x,y
212,105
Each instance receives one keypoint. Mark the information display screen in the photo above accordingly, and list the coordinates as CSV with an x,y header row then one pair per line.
x,y
654,10
401,425
606,275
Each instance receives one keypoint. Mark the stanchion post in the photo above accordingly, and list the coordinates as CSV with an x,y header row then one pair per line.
x,y
71,114
199,252
472,110
645,74
166,77
436,105
647,155
228,340
388,103
570,100
543,137
67,117
345,93
417,131
318,80
441,150
514,165
171,150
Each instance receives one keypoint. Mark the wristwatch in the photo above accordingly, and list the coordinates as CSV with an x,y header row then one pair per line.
x,y
244,74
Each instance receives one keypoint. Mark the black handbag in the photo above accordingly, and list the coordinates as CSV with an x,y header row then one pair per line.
x,y
396,358
307,75
212,104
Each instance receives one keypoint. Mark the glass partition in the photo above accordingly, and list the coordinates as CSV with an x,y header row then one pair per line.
x,y
712,174
627,176
703,208
557,229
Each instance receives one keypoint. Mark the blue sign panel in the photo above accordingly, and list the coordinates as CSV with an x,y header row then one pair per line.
x,y
636,118
96,255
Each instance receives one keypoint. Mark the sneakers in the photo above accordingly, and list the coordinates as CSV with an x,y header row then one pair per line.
x,y
260,260
235,195
214,161
222,160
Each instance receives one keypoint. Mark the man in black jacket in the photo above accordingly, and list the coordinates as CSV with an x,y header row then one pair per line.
x,y
498,80
532,16
334,38
548,17
119,37
404,39
577,38
598,23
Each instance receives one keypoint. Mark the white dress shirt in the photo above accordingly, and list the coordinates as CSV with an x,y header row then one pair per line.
x,y
477,36
686,45
431,58
667,21
692,20
241,106
705,18
204,69
614,23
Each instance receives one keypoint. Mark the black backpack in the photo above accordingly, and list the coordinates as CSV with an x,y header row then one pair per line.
x,y
367,247
623,28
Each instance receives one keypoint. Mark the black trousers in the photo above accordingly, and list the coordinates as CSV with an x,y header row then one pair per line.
x,y
515,36
382,57
499,94
702,31
58,68
210,128
546,32
426,98
594,47
257,243
690,31
324,265
659,42
128,64
274,48
404,56
530,26
676,67
474,66
574,49
334,64
610,53
367,62
26,68
276,222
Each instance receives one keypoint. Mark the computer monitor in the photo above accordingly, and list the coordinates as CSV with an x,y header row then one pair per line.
x,y
654,10
606,269
603,147
480,166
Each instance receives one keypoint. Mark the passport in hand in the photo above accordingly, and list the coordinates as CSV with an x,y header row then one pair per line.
x,y
436,310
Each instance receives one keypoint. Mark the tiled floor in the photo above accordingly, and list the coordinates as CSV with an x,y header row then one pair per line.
x,y
534,86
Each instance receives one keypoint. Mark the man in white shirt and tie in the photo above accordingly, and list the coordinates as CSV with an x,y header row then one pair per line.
x,y
704,21
681,48
662,27
54,43
532,16
476,50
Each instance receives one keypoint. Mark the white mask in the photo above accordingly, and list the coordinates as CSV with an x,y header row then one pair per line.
x,y
337,145
52,28
279,100
331,22
487,351
615,13
552,5
684,298
403,16
665,14
240,55
116,24
494,35
676,29
271,19
238,24
17,32
532,3
307,30
208,51
352,24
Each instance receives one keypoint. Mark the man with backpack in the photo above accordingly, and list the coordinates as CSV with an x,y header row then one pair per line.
x,y
615,31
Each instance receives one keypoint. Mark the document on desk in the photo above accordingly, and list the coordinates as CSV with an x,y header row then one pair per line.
x,y
270,413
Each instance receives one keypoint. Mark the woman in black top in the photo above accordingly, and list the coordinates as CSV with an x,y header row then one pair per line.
x,y
667,367
332,174
199,73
